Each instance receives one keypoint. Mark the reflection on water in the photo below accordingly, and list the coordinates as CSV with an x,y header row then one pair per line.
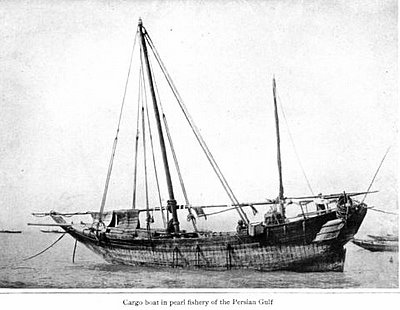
x,y
54,269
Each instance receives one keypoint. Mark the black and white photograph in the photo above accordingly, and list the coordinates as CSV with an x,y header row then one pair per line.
x,y
191,147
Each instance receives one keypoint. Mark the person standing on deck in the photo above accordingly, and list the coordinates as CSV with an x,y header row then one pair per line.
x,y
321,203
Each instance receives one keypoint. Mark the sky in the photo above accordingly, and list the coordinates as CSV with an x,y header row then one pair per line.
x,y
63,67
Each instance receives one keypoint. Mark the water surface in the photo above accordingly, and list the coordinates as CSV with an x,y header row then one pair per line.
x,y
54,269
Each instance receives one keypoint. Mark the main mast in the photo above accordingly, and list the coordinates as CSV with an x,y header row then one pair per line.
x,y
171,202
278,149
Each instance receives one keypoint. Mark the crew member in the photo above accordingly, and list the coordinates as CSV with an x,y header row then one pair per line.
x,y
321,203
241,226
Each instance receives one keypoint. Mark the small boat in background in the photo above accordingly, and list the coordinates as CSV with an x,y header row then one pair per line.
x,y
388,237
377,245
51,231
10,231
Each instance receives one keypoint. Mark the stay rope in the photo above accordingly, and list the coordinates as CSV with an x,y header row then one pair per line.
x,y
155,170
143,104
382,211
376,173
191,217
294,146
136,143
152,151
103,201
197,134
41,252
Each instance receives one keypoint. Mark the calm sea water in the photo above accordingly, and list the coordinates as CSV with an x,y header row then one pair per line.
x,y
54,269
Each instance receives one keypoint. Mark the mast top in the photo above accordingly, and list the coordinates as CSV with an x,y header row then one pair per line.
x,y
140,23
278,149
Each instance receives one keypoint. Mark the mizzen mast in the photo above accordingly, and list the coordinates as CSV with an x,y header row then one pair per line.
x,y
171,202
278,150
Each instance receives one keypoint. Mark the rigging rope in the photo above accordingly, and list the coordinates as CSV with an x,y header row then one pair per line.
x,y
376,173
218,212
33,256
103,200
196,132
144,103
191,217
41,252
382,211
165,221
294,146
137,141
145,172
155,171
152,150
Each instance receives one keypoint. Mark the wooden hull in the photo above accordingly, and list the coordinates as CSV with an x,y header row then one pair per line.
x,y
311,257
377,246
289,246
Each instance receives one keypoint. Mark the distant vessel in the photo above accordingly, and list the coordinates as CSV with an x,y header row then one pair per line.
x,y
311,241
10,231
52,231
387,237
377,245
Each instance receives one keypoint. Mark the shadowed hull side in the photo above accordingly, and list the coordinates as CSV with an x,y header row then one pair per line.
x,y
189,254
